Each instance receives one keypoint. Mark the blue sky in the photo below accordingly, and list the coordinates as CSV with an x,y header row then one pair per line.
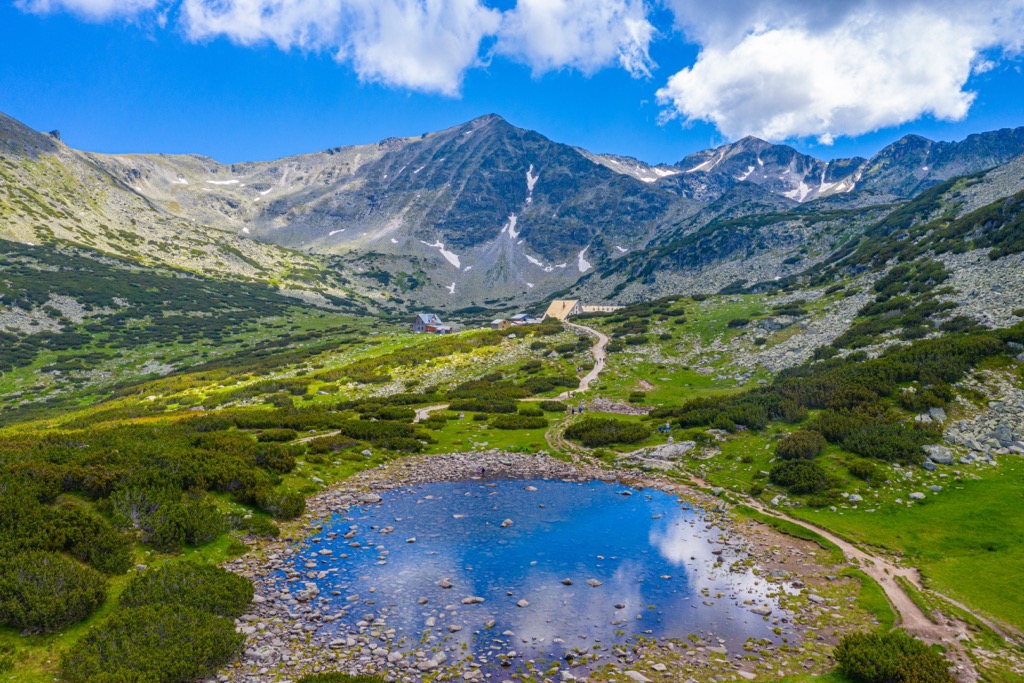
x,y
652,80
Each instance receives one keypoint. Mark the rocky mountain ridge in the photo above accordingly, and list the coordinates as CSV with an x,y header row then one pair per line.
x,y
483,213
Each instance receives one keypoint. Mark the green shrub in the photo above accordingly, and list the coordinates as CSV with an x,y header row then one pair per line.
x,y
281,504
480,417
154,644
603,431
800,476
552,406
530,410
166,518
331,444
863,469
203,587
45,591
1019,312
275,458
894,657
519,422
281,435
257,525
801,444
531,366
483,405
738,322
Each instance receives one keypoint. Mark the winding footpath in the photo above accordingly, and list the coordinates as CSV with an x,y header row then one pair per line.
x,y
598,351
945,630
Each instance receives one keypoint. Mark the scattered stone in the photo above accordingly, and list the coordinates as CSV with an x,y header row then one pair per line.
x,y
507,523
594,583
523,603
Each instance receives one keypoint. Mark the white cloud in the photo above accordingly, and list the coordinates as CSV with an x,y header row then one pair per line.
x,y
788,69
586,35
95,10
422,45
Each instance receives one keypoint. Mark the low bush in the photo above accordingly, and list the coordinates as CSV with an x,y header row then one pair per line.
x,y
530,410
552,406
801,444
894,657
863,469
281,504
153,644
483,405
276,458
736,323
331,444
519,422
166,518
44,591
257,525
203,587
800,476
279,435
602,431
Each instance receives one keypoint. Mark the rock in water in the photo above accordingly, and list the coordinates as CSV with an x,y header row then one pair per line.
x,y
506,523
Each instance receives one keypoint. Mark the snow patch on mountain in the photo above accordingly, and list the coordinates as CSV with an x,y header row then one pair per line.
x,y
531,181
709,164
510,226
222,182
582,263
449,256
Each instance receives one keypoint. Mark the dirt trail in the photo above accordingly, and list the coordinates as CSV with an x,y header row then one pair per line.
x,y
911,617
597,350
424,413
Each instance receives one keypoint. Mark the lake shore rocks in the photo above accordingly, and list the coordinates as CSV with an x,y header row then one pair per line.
x,y
287,625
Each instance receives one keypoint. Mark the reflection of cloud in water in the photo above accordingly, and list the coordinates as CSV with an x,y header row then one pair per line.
x,y
561,530
684,545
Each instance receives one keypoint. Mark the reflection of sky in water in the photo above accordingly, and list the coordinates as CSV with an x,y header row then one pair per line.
x,y
562,530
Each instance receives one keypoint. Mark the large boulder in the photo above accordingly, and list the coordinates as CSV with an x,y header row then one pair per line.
x,y
939,454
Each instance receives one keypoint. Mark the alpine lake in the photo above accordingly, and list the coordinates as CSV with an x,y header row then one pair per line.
x,y
508,578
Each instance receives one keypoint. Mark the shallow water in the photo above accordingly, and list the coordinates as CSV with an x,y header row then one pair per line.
x,y
658,571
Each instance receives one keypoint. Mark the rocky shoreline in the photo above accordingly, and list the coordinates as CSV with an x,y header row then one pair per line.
x,y
283,639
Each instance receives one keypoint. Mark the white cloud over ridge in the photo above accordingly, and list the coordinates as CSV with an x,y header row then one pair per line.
x,y
785,69
424,45
581,34
778,69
